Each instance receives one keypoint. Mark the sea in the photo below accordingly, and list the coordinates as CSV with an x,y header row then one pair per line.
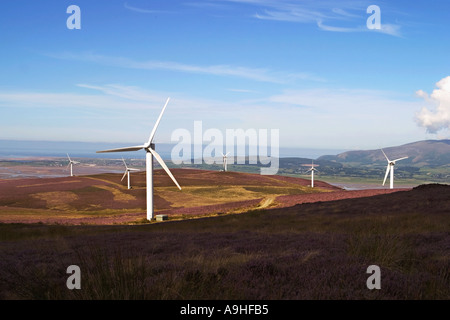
x,y
13,149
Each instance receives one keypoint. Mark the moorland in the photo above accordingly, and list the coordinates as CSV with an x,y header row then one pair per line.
x,y
258,238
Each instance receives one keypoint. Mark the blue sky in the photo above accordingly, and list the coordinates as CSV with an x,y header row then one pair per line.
x,y
311,69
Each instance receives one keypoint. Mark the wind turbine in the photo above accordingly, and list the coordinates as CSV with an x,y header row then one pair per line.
x,y
312,169
71,163
127,172
149,148
225,161
390,167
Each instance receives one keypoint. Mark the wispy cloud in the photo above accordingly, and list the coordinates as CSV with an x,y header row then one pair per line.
x,y
117,112
256,74
125,92
390,29
324,27
371,117
342,16
141,10
242,90
38,100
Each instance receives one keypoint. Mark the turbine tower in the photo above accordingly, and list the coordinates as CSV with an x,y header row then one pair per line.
x,y
149,148
312,169
225,161
71,163
390,168
127,172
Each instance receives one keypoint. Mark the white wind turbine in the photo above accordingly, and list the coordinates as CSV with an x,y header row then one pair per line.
x,y
225,161
127,172
149,148
312,169
390,167
71,163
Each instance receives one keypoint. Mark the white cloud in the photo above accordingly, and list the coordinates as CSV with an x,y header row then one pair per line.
x,y
436,116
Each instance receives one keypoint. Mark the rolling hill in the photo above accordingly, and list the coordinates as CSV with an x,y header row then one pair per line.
x,y
432,153
428,162
105,199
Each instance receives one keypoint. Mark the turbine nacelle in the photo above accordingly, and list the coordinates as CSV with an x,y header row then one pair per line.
x,y
312,167
72,161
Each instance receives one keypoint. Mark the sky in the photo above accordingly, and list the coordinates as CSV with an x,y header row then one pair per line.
x,y
317,71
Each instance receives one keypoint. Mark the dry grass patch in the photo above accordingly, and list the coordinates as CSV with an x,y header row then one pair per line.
x,y
197,196
201,196
57,200
118,195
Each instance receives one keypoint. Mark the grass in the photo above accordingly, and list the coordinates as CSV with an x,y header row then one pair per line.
x,y
235,263
309,251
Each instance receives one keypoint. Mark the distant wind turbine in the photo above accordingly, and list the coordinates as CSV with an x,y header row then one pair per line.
x,y
312,169
71,163
225,161
390,167
149,148
127,172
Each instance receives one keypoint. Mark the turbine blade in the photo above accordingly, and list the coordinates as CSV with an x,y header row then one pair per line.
x,y
156,125
399,159
387,172
385,155
135,148
124,163
161,162
124,175
68,157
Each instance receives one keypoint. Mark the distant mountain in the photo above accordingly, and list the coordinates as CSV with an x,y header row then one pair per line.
x,y
432,153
